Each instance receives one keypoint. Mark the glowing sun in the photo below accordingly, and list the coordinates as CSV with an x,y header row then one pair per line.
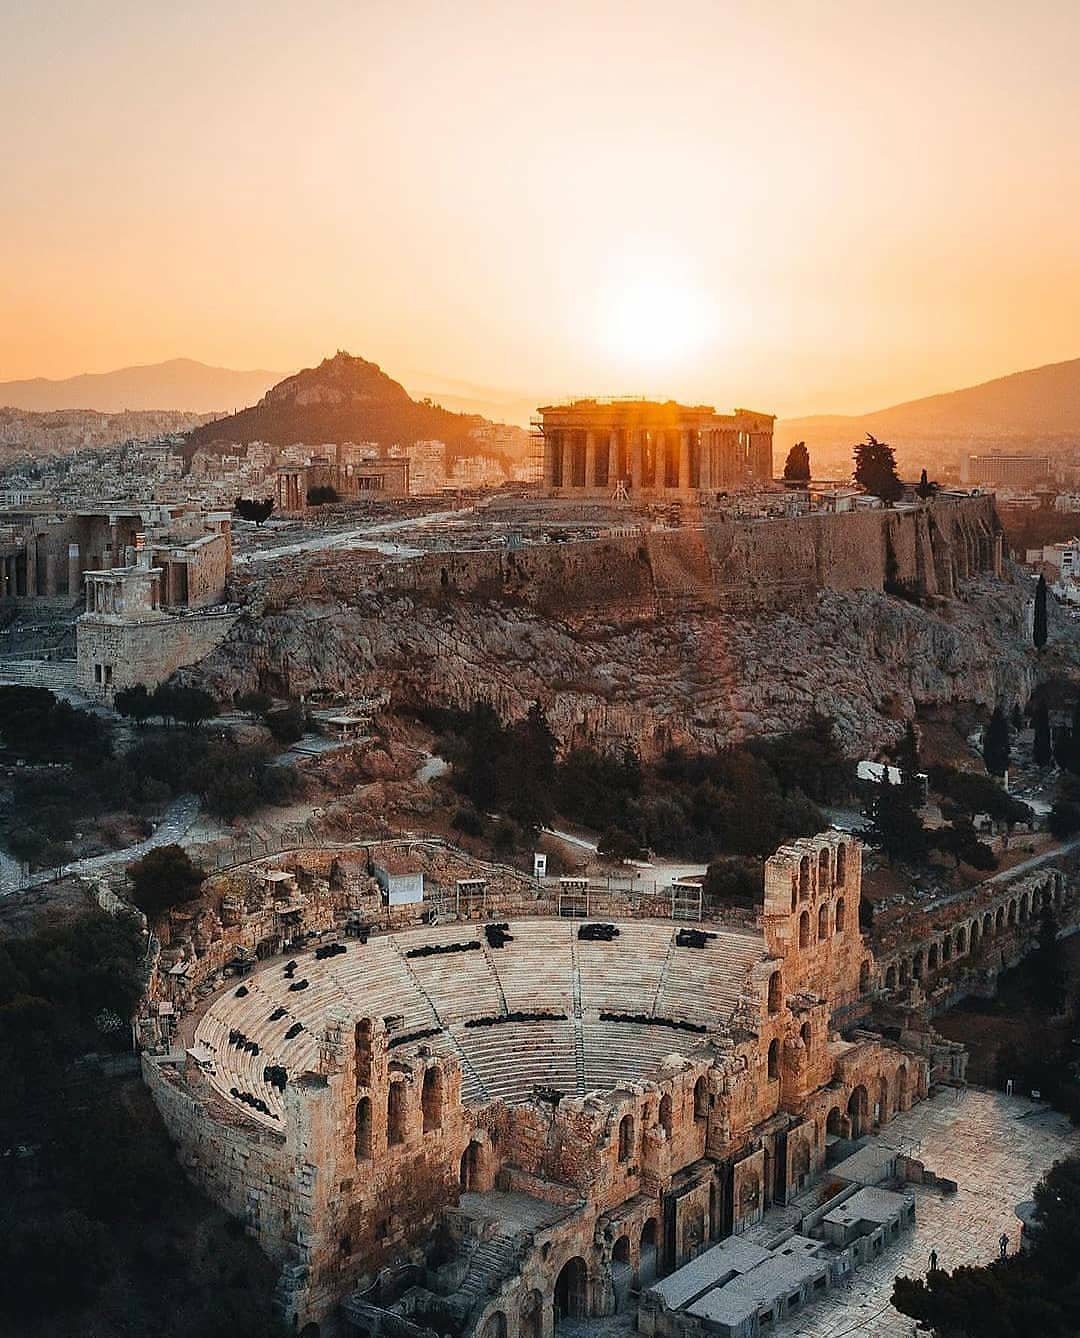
x,y
653,317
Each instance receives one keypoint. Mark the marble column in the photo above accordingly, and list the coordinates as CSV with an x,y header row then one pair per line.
x,y
51,584
613,459
550,448
684,461
660,457
590,459
567,459
74,571
636,449
705,451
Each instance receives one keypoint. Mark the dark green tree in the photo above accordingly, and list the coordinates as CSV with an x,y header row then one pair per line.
x,y
135,703
960,840
925,489
875,470
1047,966
248,508
995,748
1039,627
797,464
893,821
163,878
1043,748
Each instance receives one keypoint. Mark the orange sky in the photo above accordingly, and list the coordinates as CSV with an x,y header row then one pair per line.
x,y
797,206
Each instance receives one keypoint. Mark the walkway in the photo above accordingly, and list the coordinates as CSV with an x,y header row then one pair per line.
x,y
179,816
359,536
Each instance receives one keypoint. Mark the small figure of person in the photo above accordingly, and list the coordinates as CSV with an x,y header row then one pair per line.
x,y
1003,1244
933,1261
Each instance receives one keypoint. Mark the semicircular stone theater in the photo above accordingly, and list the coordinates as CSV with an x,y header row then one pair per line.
x,y
523,1117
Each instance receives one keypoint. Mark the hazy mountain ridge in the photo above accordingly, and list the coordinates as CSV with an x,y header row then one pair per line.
x,y
179,384
1034,409
344,398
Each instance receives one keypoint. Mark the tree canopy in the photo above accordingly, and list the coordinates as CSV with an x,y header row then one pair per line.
x,y
875,470
249,508
797,465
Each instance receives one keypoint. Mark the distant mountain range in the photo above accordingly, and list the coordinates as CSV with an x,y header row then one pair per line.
x,y
344,398
180,383
1027,410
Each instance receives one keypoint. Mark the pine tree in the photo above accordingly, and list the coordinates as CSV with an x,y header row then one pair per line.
x,y
996,744
893,821
875,470
1039,629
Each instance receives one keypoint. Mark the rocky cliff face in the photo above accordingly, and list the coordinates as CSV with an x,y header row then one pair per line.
x,y
699,677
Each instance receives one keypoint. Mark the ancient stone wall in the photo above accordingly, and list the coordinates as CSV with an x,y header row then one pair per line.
x,y
146,652
732,564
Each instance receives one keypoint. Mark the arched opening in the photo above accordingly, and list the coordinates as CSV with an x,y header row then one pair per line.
x,y
649,1254
901,1087
431,1099
701,1099
932,958
834,1123
988,925
572,1290
531,1322
774,1060
806,1032
884,1110
823,922
960,941
622,1273
470,1167
824,881
363,1128
839,923
864,976
804,877
395,1113
858,1103
1012,912
626,1138
665,1113
309,1331
905,972
890,978
494,1326
946,948
917,965
999,919
973,935
841,865
1024,906
775,992
804,929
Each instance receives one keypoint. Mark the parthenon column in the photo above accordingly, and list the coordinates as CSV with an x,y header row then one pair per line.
x,y
549,460
590,459
635,460
50,575
567,459
74,572
660,458
705,452
613,475
31,565
684,461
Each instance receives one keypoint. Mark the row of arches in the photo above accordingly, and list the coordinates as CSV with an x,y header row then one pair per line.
x,y
825,928
967,938
869,1104
831,873
628,1134
432,1100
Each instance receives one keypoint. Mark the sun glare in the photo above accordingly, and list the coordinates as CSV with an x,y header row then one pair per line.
x,y
653,317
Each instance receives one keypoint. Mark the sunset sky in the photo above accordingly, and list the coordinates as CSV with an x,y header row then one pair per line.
x,y
800,207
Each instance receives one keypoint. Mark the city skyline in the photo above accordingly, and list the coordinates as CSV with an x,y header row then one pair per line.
x,y
823,210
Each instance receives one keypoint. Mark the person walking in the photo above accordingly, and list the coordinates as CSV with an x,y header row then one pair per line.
x,y
933,1261
1003,1244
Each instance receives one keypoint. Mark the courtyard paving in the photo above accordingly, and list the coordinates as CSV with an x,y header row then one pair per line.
x,y
996,1148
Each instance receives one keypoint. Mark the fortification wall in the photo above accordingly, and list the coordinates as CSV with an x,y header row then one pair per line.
x,y
143,652
727,564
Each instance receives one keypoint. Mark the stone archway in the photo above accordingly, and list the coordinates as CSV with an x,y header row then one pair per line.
x,y
649,1253
834,1123
884,1110
858,1111
622,1272
571,1295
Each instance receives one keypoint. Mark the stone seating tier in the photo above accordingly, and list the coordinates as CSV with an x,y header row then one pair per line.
x,y
545,968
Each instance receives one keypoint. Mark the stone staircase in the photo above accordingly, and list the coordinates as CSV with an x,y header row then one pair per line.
x,y
39,673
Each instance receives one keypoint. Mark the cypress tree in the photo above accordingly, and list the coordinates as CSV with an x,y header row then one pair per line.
x,y
1039,631
996,744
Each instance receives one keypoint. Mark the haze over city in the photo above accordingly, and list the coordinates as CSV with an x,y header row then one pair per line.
x,y
819,208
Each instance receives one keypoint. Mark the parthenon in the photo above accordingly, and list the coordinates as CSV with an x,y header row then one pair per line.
x,y
653,449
